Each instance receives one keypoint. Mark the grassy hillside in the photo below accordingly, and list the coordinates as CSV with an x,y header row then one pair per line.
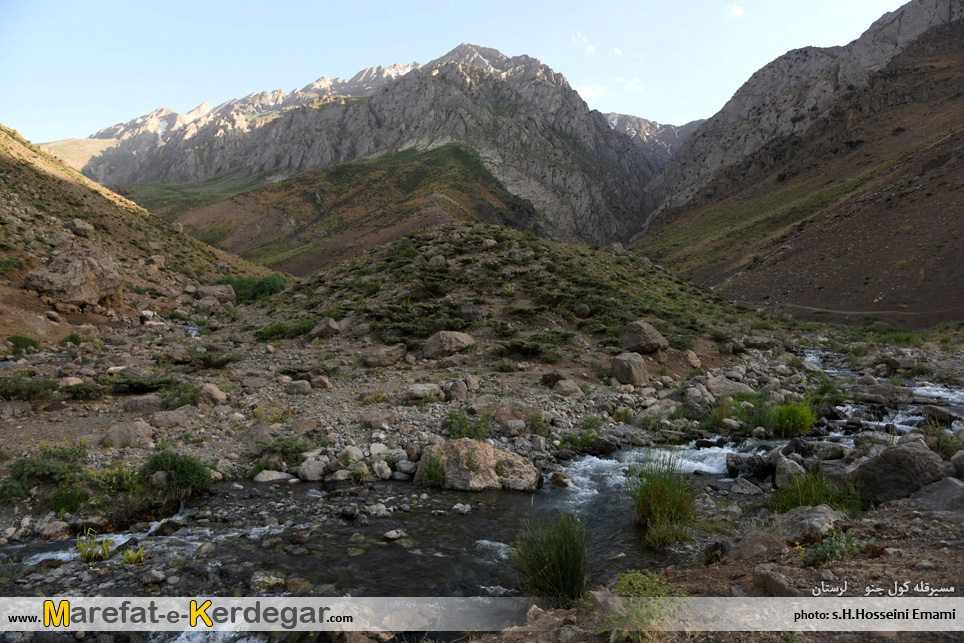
x,y
76,152
309,221
541,300
39,194
856,219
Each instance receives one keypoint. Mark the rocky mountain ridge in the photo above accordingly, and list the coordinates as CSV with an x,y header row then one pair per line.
x,y
787,97
530,128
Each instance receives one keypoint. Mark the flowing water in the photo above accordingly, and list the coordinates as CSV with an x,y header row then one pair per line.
x,y
445,553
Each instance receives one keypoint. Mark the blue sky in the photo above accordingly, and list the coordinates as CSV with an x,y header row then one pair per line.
x,y
69,68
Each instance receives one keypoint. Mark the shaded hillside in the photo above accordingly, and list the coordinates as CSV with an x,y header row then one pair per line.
x,y
304,223
787,97
863,214
39,195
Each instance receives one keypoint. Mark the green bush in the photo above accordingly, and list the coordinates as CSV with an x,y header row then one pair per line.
x,y
432,473
85,391
132,384
30,471
460,425
18,387
11,490
281,330
180,395
831,548
76,339
662,497
21,343
816,489
641,613
268,285
212,357
791,420
550,559
288,447
185,475
66,500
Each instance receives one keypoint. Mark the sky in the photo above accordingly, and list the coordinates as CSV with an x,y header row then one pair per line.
x,y
70,68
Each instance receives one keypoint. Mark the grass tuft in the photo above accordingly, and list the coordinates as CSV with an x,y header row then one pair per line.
x,y
550,559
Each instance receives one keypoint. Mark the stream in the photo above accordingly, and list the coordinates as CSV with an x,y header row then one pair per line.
x,y
244,528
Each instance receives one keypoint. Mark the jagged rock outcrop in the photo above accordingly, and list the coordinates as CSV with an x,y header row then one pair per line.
x,y
657,141
78,276
787,96
530,129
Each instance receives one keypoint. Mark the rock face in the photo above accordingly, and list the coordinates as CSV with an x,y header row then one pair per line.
x,y
445,343
530,129
78,276
797,523
898,472
789,95
470,465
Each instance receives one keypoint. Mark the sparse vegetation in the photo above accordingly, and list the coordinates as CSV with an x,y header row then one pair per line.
x,y
815,489
460,425
550,557
663,498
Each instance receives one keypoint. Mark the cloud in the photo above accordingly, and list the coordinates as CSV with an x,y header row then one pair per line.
x,y
588,92
616,52
734,11
630,84
582,41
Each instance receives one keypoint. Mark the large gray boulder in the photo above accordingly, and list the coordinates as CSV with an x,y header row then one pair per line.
x,y
630,368
325,328
384,356
470,465
897,472
78,276
641,337
445,343
796,524
128,434
946,495
223,293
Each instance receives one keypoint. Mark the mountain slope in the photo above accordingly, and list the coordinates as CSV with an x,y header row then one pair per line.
x,y
39,195
657,141
320,217
860,215
787,97
531,130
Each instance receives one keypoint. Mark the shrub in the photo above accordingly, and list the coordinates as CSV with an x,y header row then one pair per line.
x,y
505,365
185,475
30,471
579,441
816,489
550,558
21,343
18,387
268,285
791,420
460,425
212,357
432,474
662,497
66,500
75,338
281,330
641,613
117,479
131,384
536,423
180,394
288,447
11,490
831,548
85,391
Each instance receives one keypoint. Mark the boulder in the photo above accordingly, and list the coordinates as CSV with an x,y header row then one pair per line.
x,y
128,434
752,545
786,472
212,394
472,312
384,356
940,414
568,388
273,476
762,343
883,394
897,472
470,465
207,306
796,524
80,228
314,469
721,386
946,495
325,328
223,293
445,343
79,276
418,393
167,419
641,337
630,368
144,404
